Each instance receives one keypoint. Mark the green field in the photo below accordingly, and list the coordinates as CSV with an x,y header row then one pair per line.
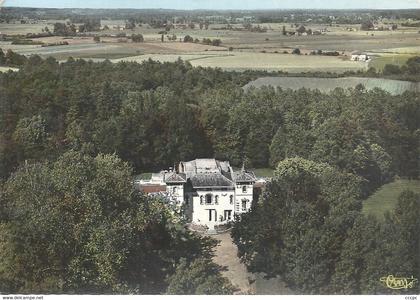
x,y
398,59
394,87
386,197
239,61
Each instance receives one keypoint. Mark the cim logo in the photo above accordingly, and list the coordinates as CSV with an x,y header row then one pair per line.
x,y
398,283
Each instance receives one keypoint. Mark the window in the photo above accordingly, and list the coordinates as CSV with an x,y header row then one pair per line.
x,y
244,189
228,214
208,199
216,199
243,205
174,189
212,215
231,200
201,200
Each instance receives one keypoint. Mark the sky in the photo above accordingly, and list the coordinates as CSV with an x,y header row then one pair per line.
x,y
218,4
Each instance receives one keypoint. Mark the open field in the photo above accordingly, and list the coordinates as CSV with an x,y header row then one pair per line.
x,y
251,50
17,28
239,61
386,197
394,87
380,62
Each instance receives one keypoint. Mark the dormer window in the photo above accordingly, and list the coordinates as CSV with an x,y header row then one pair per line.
x,y
216,199
201,200
174,189
244,188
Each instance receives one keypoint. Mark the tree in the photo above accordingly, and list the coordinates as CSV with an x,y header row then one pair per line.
x,y
188,39
375,249
87,230
350,276
130,24
296,51
391,69
284,32
366,25
413,65
199,277
2,58
32,136
137,38
297,229
97,39
216,42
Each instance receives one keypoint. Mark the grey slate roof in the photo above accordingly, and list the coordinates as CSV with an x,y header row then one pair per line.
x,y
244,177
175,178
210,180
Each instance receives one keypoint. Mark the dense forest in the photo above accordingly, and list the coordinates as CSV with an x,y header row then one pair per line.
x,y
73,134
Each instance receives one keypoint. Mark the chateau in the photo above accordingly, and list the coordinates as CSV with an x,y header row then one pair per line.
x,y
207,190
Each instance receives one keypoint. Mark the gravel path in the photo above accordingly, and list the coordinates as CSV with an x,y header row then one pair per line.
x,y
226,256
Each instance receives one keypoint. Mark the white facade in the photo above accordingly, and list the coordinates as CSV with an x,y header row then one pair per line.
x,y
208,191
176,193
211,207
244,196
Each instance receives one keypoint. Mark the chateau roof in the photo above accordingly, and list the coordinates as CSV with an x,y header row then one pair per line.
x,y
175,178
210,180
244,176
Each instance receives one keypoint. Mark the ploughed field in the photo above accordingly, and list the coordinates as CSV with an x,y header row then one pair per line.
x,y
394,87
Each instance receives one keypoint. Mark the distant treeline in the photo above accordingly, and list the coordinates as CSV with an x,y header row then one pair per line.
x,y
162,15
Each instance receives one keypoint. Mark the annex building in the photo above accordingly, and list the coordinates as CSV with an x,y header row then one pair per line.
x,y
208,191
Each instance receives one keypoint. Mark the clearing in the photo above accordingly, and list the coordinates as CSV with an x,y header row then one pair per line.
x,y
386,197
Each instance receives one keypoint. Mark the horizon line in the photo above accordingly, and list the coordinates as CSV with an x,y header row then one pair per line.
x,y
211,9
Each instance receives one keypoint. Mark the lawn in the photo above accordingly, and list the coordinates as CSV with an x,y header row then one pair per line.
x,y
143,176
386,197
263,172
